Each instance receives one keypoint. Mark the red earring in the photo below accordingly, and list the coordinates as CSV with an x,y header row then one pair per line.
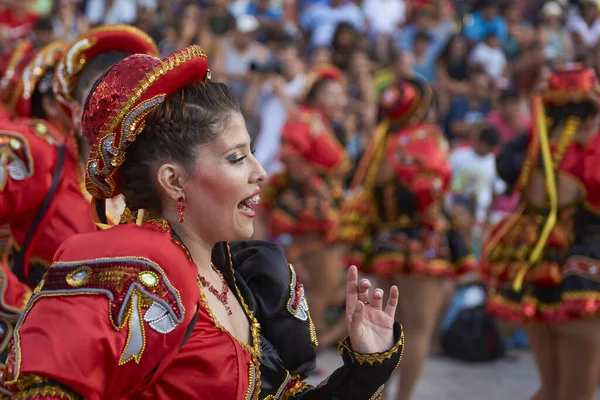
x,y
181,209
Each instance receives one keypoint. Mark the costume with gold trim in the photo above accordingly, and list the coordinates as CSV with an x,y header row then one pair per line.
x,y
543,260
305,197
397,224
121,313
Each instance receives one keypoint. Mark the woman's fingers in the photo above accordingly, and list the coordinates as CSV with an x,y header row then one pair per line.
x,y
363,290
377,299
352,281
392,303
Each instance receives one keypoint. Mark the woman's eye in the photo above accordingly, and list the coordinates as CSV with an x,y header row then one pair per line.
x,y
237,158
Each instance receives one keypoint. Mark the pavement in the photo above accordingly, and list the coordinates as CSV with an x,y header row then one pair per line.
x,y
444,379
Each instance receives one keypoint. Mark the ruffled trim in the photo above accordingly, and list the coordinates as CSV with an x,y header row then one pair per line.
x,y
578,298
376,358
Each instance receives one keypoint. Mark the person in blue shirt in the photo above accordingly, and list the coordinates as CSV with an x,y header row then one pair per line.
x,y
486,20
467,113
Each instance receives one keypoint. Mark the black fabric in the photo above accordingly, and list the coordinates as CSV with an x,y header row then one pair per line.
x,y
473,336
264,280
405,203
355,381
510,160
19,258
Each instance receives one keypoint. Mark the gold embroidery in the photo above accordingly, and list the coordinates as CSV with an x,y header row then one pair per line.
x,y
251,382
96,153
344,346
254,329
39,294
378,394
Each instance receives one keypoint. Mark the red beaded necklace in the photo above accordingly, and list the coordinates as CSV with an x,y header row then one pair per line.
x,y
222,295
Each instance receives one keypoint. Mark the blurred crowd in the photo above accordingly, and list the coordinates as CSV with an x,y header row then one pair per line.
x,y
481,57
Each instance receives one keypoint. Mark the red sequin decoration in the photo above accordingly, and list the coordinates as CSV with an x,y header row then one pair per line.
x,y
181,209
112,91
222,295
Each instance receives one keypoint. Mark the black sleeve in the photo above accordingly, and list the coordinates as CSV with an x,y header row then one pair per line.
x,y
281,307
362,377
510,160
285,322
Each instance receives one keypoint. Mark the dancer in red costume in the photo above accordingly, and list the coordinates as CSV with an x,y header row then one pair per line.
x,y
42,196
543,260
394,217
303,200
139,310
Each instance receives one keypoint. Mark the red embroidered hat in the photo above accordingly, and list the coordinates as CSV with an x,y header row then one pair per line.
x,y
103,39
19,58
405,99
34,70
117,107
571,85
319,73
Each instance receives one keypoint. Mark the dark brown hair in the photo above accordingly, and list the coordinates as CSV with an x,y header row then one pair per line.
x,y
193,116
96,66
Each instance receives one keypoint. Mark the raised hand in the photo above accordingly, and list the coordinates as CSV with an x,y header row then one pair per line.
x,y
371,327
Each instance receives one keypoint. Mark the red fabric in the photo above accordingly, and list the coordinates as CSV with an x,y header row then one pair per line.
x,y
17,27
419,156
20,199
70,339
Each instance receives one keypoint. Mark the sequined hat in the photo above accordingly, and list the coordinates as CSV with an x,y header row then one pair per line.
x,y
116,110
19,58
103,39
573,84
404,100
319,73
34,70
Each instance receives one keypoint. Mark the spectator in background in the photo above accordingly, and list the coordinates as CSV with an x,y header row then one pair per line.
x,y
220,19
467,113
16,21
425,55
191,28
319,56
148,19
43,33
345,41
423,22
554,38
451,71
362,94
484,21
68,21
490,55
520,32
270,19
102,12
272,96
586,26
509,118
237,52
320,20
473,181
384,18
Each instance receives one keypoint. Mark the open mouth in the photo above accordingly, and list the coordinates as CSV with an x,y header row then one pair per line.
x,y
246,207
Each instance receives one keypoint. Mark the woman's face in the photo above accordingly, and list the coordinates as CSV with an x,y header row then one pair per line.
x,y
331,100
459,47
321,56
223,188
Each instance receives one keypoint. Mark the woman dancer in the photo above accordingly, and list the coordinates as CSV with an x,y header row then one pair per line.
x,y
303,200
139,310
395,215
543,258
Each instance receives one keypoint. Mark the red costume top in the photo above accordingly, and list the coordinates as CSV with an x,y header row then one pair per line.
x,y
542,259
402,213
305,196
121,314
